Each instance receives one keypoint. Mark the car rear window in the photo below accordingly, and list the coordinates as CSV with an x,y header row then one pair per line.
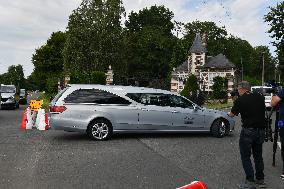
x,y
55,99
95,96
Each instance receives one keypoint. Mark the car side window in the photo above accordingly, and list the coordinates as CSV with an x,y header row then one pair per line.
x,y
178,101
157,99
94,96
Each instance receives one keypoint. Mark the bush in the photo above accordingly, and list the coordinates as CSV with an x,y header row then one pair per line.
x,y
190,88
220,87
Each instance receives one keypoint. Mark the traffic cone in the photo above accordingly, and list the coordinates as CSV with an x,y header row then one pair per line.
x,y
29,124
41,122
194,185
24,121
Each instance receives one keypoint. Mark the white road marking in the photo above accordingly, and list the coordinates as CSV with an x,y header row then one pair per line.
x,y
279,144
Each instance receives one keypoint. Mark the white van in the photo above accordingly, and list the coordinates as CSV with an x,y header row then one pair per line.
x,y
266,92
8,97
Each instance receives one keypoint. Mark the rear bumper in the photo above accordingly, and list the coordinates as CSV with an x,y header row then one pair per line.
x,y
57,122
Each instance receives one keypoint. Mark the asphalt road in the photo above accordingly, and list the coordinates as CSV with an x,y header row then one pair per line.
x,y
56,159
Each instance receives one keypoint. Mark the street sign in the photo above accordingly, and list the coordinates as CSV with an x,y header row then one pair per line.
x,y
36,105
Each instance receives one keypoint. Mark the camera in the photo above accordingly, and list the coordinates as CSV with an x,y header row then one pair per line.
x,y
235,93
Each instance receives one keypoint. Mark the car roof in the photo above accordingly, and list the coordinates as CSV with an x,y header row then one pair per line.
x,y
119,89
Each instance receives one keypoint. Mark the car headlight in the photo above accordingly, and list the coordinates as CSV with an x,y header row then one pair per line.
x,y
11,99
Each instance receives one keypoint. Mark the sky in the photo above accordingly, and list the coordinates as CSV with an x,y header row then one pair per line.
x,y
25,25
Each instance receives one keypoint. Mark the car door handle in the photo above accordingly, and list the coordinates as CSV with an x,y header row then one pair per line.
x,y
175,111
144,109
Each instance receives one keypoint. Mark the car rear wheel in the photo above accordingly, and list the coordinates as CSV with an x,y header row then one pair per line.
x,y
219,128
99,129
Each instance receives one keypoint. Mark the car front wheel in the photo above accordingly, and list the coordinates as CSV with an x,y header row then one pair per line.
x,y
219,128
100,129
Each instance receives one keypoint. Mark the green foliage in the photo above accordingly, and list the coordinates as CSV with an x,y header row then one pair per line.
x,y
234,48
215,35
148,43
191,87
52,85
180,52
275,18
48,62
220,87
94,38
253,81
31,83
46,97
14,76
98,77
239,52
261,53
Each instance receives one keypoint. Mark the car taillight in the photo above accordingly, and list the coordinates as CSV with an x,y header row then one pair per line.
x,y
57,109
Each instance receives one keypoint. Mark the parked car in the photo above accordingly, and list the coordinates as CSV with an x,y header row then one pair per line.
x,y
23,96
101,110
266,91
9,99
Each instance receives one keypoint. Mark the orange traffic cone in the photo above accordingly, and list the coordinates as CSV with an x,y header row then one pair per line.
x,y
29,124
42,120
194,185
24,121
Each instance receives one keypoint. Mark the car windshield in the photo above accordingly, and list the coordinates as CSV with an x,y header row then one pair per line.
x,y
8,89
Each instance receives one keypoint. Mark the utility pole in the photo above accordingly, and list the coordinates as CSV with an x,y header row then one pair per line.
x,y
262,69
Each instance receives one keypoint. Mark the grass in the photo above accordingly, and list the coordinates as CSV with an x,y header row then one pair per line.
x,y
218,104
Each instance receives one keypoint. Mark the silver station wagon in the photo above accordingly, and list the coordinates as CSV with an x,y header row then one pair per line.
x,y
101,110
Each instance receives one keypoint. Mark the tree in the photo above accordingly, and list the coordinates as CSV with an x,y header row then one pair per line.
x,y
190,88
239,52
149,46
98,77
93,38
262,54
275,17
48,62
220,87
14,76
215,36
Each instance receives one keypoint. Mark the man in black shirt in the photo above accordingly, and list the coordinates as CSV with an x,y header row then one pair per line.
x,y
251,106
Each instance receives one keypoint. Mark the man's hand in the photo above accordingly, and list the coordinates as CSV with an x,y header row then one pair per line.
x,y
275,100
230,114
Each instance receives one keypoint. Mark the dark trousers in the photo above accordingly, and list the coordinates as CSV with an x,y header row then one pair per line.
x,y
281,133
250,142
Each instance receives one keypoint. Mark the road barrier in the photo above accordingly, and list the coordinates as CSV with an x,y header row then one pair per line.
x,y
27,122
35,119
194,185
42,120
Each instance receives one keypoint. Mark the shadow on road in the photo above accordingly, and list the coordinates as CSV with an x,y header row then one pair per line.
x,y
69,136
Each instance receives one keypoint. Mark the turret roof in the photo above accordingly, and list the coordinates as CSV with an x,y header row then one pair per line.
x,y
197,46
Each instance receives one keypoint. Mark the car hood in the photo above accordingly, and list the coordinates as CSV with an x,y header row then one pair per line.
x,y
7,95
